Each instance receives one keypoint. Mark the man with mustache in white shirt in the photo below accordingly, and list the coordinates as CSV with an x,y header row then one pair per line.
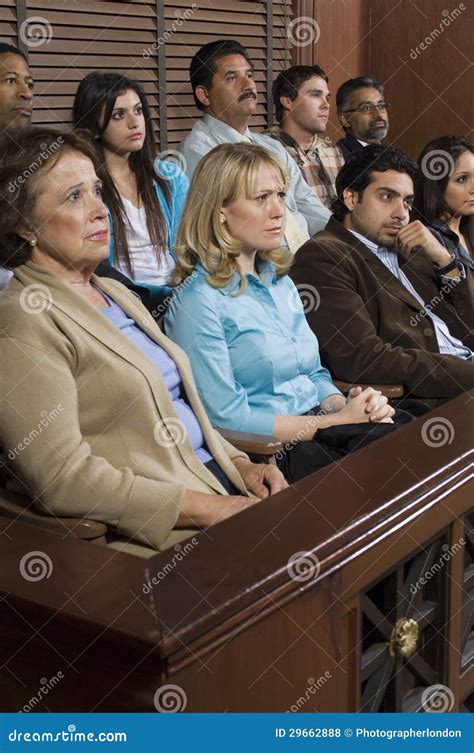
x,y
224,89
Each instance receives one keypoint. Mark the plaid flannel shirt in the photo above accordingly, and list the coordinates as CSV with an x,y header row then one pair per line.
x,y
319,164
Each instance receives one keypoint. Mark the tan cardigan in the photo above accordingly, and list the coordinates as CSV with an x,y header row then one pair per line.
x,y
82,411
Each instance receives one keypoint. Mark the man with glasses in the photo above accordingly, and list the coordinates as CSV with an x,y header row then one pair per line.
x,y
362,112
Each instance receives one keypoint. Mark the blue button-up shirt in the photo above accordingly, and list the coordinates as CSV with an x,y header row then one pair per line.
x,y
253,355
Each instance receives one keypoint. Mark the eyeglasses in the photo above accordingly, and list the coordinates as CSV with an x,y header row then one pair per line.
x,y
369,108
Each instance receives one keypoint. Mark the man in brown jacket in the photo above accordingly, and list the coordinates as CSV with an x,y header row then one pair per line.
x,y
388,302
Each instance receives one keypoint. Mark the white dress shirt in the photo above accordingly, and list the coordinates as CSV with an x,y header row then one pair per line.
x,y
302,202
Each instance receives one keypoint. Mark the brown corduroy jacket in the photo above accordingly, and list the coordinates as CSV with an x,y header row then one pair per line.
x,y
371,329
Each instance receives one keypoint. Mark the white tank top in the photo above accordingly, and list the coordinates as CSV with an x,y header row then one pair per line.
x,y
146,268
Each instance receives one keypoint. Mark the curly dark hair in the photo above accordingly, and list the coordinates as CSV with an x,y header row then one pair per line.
x,y
359,168
23,160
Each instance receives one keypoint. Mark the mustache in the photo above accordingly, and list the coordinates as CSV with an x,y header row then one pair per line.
x,y
247,94
380,122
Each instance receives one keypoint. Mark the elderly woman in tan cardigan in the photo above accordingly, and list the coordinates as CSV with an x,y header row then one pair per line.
x,y
100,416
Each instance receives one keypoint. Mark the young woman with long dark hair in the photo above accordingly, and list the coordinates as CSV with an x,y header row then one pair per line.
x,y
444,193
144,194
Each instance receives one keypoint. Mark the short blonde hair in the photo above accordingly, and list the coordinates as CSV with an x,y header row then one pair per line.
x,y
221,177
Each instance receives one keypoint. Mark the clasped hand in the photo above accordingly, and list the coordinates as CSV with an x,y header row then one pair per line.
x,y
367,405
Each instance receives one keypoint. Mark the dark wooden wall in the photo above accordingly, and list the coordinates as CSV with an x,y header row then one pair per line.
x,y
430,90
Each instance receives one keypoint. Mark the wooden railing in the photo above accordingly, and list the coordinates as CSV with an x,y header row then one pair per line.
x,y
351,590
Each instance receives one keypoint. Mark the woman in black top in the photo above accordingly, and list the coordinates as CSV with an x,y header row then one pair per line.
x,y
444,194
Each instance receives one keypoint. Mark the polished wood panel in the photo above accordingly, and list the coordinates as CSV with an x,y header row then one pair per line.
x,y
263,612
431,89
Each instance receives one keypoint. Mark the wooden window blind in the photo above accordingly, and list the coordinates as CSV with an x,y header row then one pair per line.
x,y
65,40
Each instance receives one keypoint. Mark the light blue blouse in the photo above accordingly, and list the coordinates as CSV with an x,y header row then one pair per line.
x,y
253,356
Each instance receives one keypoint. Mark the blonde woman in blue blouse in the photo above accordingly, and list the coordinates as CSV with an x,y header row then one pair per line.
x,y
238,316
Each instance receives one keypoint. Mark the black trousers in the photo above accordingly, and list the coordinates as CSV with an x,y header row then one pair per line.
x,y
334,443
299,460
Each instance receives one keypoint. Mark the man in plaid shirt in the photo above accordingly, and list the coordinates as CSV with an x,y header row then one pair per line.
x,y
301,98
